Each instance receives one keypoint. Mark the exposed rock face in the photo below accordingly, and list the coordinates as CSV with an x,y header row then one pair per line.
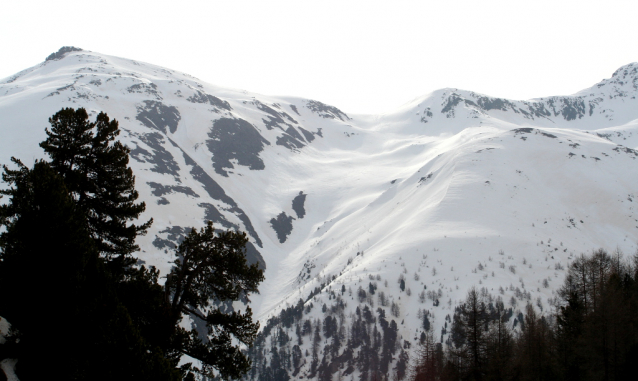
x,y
157,115
298,205
212,100
60,53
326,111
235,140
282,225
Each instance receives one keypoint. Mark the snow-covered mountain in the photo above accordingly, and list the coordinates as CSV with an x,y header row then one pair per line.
x,y
456,189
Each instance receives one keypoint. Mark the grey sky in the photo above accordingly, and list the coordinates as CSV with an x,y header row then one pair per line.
x,y
361,56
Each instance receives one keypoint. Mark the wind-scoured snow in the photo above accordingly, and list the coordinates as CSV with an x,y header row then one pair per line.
x,y
459,188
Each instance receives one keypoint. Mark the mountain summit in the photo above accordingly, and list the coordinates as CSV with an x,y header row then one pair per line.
x,y
454,190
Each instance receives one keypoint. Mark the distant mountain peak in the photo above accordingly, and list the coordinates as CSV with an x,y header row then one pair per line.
x,y
630,69
62,52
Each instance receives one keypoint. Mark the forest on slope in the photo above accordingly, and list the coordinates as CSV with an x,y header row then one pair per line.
x,y
590,333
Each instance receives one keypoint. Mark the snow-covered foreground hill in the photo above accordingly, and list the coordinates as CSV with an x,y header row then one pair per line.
x,y
454,190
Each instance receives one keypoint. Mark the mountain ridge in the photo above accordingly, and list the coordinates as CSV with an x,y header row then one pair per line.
x,y
433,192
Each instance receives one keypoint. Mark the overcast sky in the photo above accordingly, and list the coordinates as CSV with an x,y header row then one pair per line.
x,y
361,56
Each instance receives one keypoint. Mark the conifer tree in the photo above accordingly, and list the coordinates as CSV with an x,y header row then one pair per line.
x,y
212,266
469,334
95,169
426,366
58,292
65,253
33,271
499,344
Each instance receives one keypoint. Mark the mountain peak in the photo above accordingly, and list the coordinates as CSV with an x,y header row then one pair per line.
x,y
62,52
630,69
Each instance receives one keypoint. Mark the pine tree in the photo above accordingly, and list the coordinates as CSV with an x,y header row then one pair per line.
x,y
469,334
426,366
59,293
95,169
402,365
499,345
39,204
570,320
536,355
65,253
212,266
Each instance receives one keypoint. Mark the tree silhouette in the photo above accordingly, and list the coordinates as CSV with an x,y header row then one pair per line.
x,y
211,266
95,169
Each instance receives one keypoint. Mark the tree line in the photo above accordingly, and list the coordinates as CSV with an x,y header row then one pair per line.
x,y
591,335
365,341
79,304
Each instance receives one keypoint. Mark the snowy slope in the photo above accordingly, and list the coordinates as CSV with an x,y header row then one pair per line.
x,y
455,189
